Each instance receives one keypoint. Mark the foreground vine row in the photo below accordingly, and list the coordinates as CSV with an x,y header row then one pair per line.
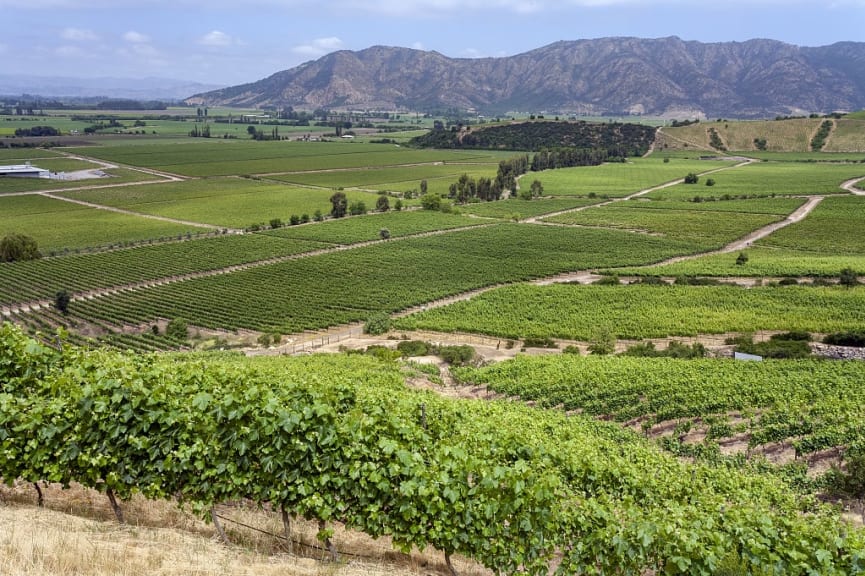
x,y
341,439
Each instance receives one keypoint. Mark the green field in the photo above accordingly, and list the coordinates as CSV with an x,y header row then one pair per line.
x,y
57,225
228,202
576,312
114,176
768,179
815,404
616,179
349,286
704,228
238,157
350,230
41,279
397,179
516,208
22,155
823,244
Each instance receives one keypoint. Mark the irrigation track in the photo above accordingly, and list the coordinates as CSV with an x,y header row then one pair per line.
x,y
851,186
23,307
537,219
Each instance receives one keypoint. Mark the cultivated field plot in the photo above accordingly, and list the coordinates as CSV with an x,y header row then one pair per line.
x,y
392,179
353,229
41,279
113,176
57,225
827,241
238,157
228,202
768,179
634,311
22,155
617,179
515,208
776,206
705,228
848,136
331,289
815,404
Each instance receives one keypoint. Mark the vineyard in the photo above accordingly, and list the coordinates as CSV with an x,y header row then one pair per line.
x,y
815,405
341,439
637,311
338,288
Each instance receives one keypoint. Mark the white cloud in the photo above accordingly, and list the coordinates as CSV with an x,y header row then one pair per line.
x,y
78,34
418,46
216,38
134,37
319,47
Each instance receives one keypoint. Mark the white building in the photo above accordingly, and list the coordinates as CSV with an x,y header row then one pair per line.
x,y
24,171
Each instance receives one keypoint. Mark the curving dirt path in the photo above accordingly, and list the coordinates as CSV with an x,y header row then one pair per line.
x,y
538,219
852,187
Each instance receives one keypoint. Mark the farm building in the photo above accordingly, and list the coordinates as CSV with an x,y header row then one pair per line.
x,y
24,171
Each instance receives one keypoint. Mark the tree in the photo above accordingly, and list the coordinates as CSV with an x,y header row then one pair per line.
x,y
61,301
177,329
710,182
18,247
377,324
742,259
431,202
339,204
317,215
384,234
397,205
603,343
357,208
423,187
382,204
691,178
537,189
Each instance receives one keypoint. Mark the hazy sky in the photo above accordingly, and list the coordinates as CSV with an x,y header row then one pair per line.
x,y
222,42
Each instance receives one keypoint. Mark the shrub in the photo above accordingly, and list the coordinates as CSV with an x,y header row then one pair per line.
x,y
691,178
710,182
848,277
18,247
603,343
410,348
539,342
608,281
456,355
431,202
275,223
177,329
61,301
855,339
571,349
377,324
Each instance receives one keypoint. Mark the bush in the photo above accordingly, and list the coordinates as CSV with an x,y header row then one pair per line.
x,y
710,182
855,339
608,281
377,325
848,277
603,343
275,223
539,342
794,336
382,353
456,355
849,483
431,202
691,178
571,349
177,329
61,301
410,348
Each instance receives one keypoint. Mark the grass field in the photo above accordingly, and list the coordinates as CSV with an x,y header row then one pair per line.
x,y
706,229
57,225
228,202
767,179
616,179
238,157
22,155
350,230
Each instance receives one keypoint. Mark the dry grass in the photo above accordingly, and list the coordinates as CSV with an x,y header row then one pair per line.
x,y
76,534
781,136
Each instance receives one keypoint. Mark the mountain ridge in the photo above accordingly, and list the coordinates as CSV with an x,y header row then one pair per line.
x,y
623,75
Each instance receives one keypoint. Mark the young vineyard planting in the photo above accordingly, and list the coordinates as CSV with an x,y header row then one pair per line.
x,y
638,311
812,403
340,439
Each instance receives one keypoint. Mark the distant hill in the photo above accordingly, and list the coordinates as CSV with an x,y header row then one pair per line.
x,y
132,88
667,76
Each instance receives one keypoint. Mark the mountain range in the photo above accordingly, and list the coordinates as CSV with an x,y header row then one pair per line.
x,y
666,76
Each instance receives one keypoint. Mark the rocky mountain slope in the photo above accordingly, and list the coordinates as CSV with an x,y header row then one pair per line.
x,y
666,76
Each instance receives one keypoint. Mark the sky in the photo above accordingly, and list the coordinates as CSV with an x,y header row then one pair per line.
x,y
231,42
